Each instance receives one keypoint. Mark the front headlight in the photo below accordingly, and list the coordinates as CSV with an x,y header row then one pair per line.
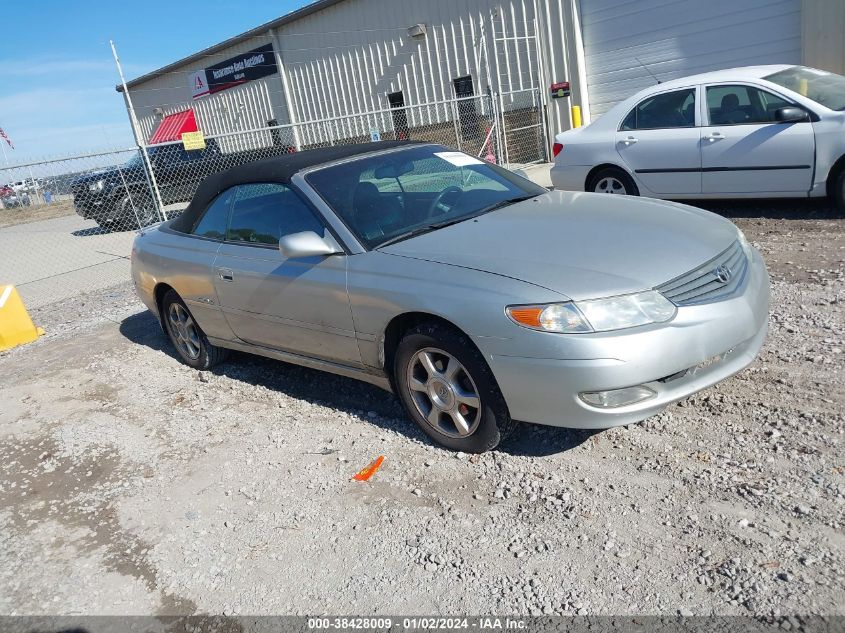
x,y
97,186
596,315
743,242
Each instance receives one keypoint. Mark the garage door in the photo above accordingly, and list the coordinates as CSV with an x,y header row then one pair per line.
x,y
625,39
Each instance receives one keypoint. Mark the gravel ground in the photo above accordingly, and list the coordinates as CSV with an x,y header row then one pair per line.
x,y
130,483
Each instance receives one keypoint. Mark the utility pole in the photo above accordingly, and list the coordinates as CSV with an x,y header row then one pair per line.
x,y
136,129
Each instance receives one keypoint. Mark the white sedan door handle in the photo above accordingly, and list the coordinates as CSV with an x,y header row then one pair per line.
x,y
715,136
630,140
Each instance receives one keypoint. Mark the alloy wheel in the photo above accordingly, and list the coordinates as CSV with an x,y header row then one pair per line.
x,y
146,213
184,331
609,184
444,393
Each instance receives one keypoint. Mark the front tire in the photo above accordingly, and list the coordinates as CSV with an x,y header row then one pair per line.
x,y
447,388
189,340
613,180
136,211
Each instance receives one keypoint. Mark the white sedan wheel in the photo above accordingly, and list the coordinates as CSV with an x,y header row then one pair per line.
x,y
610,184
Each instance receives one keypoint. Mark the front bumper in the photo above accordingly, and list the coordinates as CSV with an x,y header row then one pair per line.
x,y
701,346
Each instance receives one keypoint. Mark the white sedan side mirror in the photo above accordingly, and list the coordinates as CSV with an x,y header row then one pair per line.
x,y
307,244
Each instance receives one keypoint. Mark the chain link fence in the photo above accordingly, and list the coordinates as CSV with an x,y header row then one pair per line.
x,y
67,224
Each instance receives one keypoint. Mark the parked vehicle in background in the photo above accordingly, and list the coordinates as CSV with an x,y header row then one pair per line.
x,y
11,198
475,295
755,132
119,198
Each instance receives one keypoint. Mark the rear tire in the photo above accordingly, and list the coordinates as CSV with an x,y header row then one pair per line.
x,y
839,190
613,180
189,340
447,388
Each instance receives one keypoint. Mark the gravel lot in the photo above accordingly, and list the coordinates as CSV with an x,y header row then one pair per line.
x,y
130,483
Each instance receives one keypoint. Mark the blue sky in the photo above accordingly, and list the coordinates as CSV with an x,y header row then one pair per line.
x,y
57,82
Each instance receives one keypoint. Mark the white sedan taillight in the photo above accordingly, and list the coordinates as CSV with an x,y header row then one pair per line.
x,y
557,148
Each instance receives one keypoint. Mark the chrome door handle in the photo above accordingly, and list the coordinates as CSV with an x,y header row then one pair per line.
x,y
226,274
630,140
715,136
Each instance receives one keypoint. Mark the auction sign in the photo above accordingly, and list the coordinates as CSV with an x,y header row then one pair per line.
x,y
255,64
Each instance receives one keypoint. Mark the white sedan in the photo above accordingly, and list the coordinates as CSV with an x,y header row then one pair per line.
x,y
752,132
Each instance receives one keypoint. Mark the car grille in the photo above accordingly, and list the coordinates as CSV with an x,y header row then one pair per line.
x,y
702,284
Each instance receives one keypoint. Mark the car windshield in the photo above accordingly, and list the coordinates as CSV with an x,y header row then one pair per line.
x,y
821,86
400,194
136,162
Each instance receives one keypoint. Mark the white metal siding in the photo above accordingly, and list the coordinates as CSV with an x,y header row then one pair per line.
x,y
346,58
675,38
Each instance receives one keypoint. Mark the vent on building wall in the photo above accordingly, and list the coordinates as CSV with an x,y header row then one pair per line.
x,y
418,30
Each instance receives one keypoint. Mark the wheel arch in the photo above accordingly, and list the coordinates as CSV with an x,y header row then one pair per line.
x,y
599,167
833,174
400,324
159,291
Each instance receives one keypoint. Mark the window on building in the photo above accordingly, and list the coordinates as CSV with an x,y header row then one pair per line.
x,y
262,213
666,110
399,114
467,114
463,86
213,222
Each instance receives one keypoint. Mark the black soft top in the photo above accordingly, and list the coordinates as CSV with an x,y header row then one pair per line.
x,y
274,169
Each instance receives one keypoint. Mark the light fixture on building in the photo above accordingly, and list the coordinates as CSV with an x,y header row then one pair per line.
x,y
418,30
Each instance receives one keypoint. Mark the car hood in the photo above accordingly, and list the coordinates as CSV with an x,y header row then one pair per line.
x,y
581,245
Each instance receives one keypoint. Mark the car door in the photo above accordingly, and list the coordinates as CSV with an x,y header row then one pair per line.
x,y
745,150
193,257
297,305
659,142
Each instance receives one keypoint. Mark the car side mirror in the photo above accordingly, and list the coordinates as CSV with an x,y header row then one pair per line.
x,y
791,114
307,244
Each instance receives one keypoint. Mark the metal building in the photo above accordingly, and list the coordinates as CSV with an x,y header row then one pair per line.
x,y
334,59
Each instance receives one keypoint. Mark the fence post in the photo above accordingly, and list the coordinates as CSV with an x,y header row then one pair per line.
x,y
136,129
498,121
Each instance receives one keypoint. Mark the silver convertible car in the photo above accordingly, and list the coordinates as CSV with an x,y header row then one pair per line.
x,y
476,296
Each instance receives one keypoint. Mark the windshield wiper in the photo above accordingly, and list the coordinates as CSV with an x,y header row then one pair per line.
x,y
439,225
422,229
505,203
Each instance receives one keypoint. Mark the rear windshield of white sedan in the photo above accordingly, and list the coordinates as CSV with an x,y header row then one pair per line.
x,y
821,86
400,194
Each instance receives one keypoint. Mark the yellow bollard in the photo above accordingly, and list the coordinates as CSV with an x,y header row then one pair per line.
x,y
576,116
16,328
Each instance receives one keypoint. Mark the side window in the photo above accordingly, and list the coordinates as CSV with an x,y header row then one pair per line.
x,y
737,105
667,110
262,213
213,222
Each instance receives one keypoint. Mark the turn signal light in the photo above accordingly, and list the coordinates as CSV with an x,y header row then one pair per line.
x,y
557,148
530,317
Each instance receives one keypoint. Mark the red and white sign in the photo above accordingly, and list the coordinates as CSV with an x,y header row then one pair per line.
x,y
199,84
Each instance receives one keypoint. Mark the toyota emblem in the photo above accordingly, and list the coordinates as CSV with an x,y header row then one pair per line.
x,y
723,273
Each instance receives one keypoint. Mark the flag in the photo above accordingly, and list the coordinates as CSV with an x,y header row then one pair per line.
x,y
6,138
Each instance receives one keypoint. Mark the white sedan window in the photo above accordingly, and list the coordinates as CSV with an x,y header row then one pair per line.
x,y
738,104
667,110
